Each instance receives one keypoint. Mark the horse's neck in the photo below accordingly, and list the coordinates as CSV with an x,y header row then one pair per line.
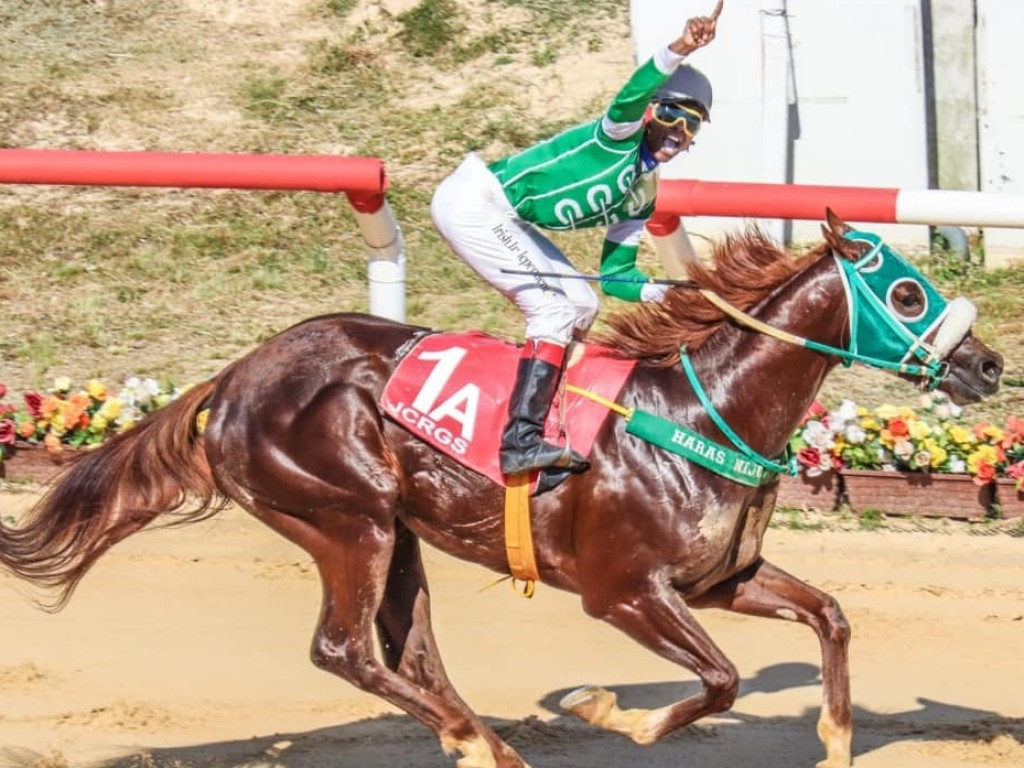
x,y
762,386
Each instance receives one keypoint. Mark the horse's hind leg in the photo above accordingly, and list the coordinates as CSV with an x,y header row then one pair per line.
x,y
408,647
371,572
765,590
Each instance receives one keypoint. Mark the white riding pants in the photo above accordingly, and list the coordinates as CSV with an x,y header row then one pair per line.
x,y
471,212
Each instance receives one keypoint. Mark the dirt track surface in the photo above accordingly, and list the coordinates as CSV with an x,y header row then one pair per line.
x,y
189,648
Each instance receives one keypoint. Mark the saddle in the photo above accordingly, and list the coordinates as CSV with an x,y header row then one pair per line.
x,y
451,390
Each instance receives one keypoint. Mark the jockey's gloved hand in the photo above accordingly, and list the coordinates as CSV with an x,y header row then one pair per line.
x,y
652,292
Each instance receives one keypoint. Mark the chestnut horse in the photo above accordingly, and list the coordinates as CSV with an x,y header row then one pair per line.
x,y
296,437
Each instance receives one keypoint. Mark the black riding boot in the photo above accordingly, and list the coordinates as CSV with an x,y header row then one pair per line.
x,y
522,446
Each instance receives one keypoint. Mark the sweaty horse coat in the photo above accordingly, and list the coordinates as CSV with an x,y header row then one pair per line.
x,y
295,435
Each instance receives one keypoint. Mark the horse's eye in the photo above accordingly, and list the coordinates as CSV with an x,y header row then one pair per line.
x,y
907,299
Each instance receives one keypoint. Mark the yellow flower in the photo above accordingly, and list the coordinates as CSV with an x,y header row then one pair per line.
x,y
918,429
97,389
111,408
993,432
98,424
201,418
62,384
862,411
868,424
887,411
907,412
960,435
984,453
938,453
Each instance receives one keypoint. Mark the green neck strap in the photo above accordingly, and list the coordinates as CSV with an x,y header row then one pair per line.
x,y
743,465
789,468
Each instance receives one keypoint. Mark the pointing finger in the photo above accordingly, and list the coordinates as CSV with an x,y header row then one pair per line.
x,y
718,10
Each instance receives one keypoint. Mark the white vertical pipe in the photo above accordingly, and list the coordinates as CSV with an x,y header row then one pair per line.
x,y
775,69
672,244
386,272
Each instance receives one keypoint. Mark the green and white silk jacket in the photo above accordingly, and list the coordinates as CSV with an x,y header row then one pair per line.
x,y
593,175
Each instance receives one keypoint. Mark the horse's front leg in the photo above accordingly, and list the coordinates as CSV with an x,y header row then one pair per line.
x,y
655,615
765,590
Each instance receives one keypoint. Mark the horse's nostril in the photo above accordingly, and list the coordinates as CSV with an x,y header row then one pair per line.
x,y
991,369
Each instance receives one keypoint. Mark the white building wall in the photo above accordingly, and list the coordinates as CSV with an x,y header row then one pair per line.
x,y
857,87
1001,116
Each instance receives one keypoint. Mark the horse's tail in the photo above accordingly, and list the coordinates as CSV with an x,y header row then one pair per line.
x,y
111,492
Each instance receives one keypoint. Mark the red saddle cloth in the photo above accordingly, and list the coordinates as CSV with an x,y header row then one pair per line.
x,y
452,391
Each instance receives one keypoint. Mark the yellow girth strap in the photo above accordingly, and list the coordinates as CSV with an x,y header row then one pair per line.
x,y
518,533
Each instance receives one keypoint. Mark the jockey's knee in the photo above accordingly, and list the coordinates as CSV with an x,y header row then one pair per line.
x,y
553,322
586,312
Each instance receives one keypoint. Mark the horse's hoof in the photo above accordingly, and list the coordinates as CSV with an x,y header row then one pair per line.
x,y
590,703
578,698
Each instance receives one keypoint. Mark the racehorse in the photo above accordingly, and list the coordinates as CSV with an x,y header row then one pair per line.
x,y
295,435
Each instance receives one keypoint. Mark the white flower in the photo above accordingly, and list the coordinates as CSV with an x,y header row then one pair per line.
x,y
903,449
846,413
854,435
922,459
957,465
818,436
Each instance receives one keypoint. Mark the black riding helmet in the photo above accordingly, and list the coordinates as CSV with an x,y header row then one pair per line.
x,y
687,85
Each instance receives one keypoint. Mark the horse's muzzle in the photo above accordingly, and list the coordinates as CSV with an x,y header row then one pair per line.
x,y
973,373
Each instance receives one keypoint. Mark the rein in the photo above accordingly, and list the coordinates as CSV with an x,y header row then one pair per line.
x,y
898,344
933,370
745,465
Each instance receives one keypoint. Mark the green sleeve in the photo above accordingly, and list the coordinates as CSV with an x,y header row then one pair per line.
x,y
631,102
619,260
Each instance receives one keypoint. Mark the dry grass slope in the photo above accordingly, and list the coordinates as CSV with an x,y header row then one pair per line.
x,y
174,283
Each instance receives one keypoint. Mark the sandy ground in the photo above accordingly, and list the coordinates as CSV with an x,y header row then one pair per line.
x,y
188,648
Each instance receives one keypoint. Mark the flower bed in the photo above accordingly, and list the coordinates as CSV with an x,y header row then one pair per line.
x,y
35,432
937,463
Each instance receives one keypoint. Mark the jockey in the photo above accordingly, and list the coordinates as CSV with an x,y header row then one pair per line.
x,y
601,173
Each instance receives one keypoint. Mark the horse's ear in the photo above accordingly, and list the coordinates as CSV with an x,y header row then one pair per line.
x,y
836,224
834,233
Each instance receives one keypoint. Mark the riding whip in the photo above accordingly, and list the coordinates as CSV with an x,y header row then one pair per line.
x,y
609,279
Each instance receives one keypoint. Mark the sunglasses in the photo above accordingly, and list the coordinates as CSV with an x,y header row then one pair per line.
x,y
671,115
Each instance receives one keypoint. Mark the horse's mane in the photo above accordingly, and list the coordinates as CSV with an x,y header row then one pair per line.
x,y
744,269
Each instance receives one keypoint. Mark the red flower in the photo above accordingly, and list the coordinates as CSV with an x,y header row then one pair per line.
x,y
7,432
986,473
816,411
1016,471
1014,431
3,390
34,403
898,427
809,457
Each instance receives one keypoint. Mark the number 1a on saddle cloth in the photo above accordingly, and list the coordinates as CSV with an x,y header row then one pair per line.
x,y
452,391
